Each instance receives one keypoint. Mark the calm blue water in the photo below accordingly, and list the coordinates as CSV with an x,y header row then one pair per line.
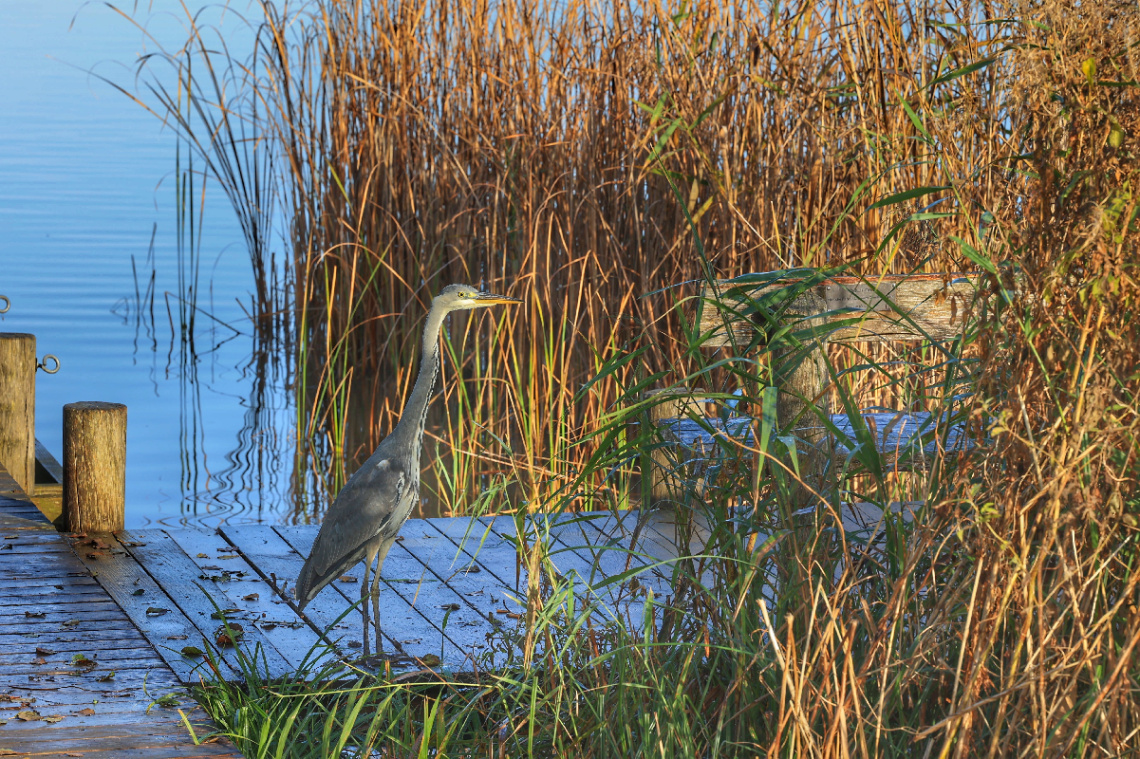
x,y
86,176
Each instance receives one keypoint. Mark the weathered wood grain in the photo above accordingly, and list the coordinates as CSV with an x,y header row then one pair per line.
x,y
94,466
122,673
407,591
199,596
136,592
242,588
18,407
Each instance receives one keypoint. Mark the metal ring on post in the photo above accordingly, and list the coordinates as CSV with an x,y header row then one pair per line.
x,y
7,304
42,365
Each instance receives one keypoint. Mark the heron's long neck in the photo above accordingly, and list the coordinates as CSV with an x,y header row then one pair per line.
x,y
411,427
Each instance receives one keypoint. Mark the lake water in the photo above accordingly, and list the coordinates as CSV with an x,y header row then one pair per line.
x,y
87,180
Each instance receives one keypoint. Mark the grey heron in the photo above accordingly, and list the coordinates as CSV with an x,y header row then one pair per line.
x,y
370,509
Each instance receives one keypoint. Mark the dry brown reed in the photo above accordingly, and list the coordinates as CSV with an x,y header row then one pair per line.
x,y
583,156
515,144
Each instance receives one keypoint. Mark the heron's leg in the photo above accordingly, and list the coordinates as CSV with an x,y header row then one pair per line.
x,y
381,555
364,603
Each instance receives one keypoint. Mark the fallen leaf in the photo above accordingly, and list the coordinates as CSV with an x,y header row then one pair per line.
x,y
11,537
71,623
53,719
81,660
250,597
170,700
176,637
44,651
28,715
203,556
233,556
191,651
137,592
156,611
228,637
106,678
39,660
34,614
7,546
221,614
85,712
347,578
449,607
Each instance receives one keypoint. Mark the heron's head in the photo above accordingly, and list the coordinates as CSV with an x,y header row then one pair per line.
x,y
456,297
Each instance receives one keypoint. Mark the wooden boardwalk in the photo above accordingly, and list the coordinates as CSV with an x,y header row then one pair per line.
x,y
452,589
76,676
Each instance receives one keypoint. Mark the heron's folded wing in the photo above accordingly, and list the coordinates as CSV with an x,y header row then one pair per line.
x,y
363,509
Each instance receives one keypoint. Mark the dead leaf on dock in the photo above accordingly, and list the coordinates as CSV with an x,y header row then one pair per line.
x,y
41,651
33,614
156,611
347,578
85,712
250,597
51,720
28,715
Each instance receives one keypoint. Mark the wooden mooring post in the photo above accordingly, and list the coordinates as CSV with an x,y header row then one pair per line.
x,y
18,407
94,466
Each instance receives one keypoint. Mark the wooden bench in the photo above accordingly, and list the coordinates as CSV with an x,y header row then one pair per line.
x,y
810,309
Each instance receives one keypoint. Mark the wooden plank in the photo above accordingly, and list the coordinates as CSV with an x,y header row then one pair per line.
x,y
48,469
936,306
489,542
198,596
277,564
413,602
242,588
21,508
135,591
156,739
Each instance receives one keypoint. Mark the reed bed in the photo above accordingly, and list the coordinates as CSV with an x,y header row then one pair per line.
x,y
537,148
589,157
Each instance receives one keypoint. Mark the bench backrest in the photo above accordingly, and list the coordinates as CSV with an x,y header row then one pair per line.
x,y
893,307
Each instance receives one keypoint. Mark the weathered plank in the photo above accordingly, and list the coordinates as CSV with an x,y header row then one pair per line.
x,y
410,597
166,628
242,588
198,597
891,307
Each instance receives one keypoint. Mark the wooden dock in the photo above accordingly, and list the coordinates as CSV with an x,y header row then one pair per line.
x,y
452,590
76,676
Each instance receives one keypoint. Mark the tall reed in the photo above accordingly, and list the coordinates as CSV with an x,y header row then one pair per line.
x,y
588,157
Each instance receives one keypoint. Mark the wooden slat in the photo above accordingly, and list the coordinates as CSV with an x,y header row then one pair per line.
x,y
408,590
197,597
935,306
121,576
278,562
40,574
47,462
242,588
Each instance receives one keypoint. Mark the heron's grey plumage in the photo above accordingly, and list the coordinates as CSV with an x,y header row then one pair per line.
x,y
369,511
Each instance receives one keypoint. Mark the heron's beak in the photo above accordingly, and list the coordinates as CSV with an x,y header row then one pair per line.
x,y
490,299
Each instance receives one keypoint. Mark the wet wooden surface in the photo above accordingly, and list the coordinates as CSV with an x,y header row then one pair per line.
x,y
453,591
77,678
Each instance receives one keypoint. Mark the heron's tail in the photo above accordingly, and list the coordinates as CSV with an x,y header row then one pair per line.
x,y
308,586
